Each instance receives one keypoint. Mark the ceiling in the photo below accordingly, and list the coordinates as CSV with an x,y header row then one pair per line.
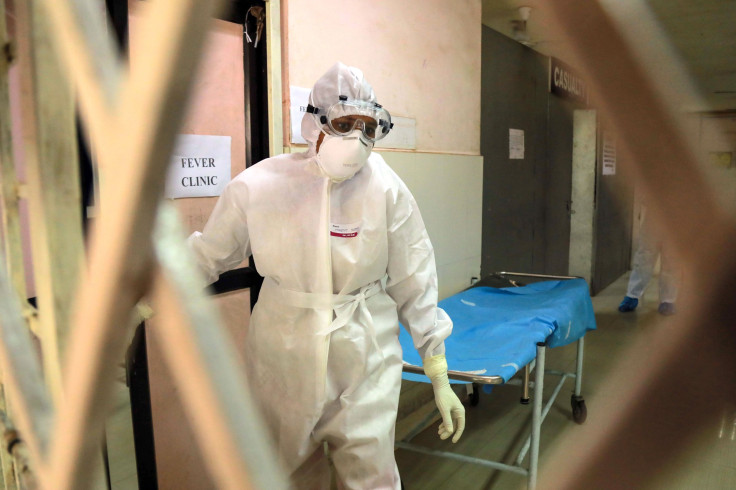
x,y
702,33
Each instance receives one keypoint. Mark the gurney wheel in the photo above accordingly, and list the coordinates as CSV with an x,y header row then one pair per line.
x,y
474,397
579,412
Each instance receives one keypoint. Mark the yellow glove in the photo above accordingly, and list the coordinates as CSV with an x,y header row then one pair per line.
x,y
449,405
142,312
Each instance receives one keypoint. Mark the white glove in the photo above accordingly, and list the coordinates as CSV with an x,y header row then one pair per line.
x,y
449,405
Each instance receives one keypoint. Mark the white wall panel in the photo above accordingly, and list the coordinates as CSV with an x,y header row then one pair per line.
x,y
448,190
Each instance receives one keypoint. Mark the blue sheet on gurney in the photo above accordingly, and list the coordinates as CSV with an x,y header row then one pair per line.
x,y
496,330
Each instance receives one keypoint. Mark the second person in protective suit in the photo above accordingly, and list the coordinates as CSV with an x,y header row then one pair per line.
x,y
345,257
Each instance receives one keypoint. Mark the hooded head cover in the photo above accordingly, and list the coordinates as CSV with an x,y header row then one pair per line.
x,y
338,80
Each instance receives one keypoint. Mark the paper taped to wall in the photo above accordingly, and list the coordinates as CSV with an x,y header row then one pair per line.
x,y
516,144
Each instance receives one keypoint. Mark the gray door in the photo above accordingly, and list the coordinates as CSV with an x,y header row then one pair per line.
x,y
526,221
513,96
558,186
614,215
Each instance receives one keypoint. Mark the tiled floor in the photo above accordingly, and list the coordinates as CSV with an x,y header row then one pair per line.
x,y
496,428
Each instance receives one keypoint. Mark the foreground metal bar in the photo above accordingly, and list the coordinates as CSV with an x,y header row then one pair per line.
x,y
19,474
10,190
89,52
205,367
12,245
642,412
150,110
23,378
9,477
54,196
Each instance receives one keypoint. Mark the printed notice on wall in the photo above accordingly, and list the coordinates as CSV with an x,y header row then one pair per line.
x,y
199,167
299,99
516,144
609,154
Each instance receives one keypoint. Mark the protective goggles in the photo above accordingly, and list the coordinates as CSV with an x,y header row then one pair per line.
x,y
347,115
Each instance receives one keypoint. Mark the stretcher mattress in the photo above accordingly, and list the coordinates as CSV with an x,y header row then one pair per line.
x,y
496,330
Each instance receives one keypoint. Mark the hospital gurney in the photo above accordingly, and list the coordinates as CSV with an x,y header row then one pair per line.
x,y
499,331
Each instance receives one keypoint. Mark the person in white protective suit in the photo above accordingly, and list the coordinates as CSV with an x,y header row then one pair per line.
x,y
345,256
645,258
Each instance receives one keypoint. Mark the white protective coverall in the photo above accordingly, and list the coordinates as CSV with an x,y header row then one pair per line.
x,y
645,258
323,356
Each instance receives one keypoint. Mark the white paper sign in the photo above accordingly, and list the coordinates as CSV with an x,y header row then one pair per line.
x,y
200,166
609,154
516,144
299,100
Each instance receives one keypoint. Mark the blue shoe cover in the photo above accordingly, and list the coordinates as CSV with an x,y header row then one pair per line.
x,y
666,309
628,304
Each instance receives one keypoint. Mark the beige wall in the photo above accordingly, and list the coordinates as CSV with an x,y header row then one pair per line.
x,y
711,136
717,152
421,56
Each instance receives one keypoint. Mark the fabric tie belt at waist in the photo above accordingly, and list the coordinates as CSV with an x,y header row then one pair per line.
x,y
344,306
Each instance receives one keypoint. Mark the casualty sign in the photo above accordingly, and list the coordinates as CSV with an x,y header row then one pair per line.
x,y
199,167
564,82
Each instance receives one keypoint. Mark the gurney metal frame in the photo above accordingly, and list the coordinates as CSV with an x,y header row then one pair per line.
x,y
539,413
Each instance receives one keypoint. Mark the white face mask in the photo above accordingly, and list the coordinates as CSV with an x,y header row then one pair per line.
x,y
341,157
